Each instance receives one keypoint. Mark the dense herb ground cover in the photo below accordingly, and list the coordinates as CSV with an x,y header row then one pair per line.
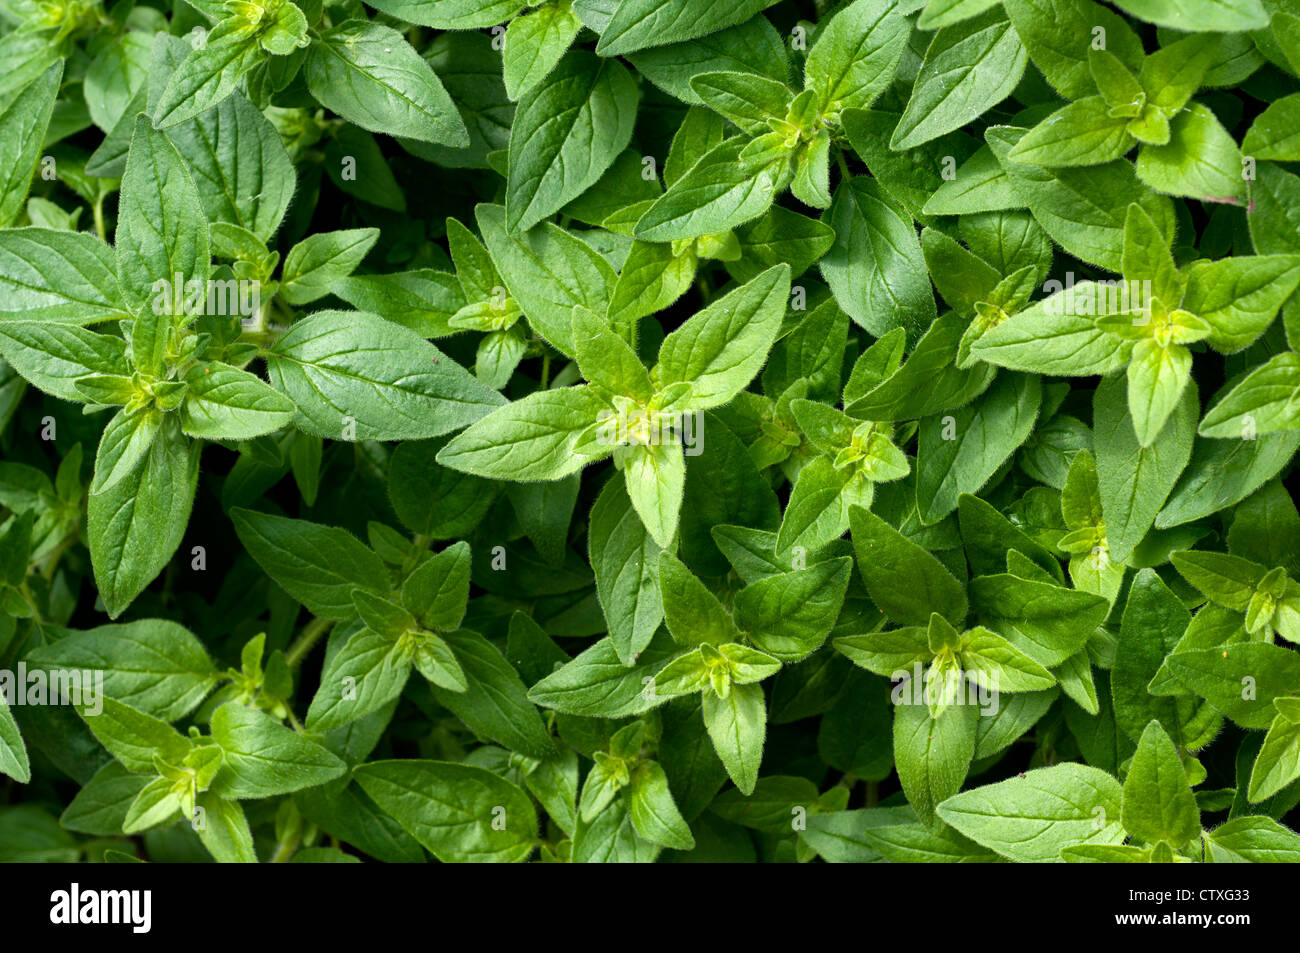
x,y
620,430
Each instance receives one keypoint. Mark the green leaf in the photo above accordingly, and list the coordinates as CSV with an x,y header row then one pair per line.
x,y
932,754
855,55
790,614
969,67
905,581
133,737
57,276
225,403
720,349
1059,33
355,376
1240,297
1082,133
370,75
460,813
1158,802
136,525
653,811
1201,160
162,230
737,726
566,133
1047,621
1031,818
656,480
496,703
596,684
13,753
1134,480
548,271
1193,15
534,44
535,438
1067,201
959,453
1262,402
317,565
1253,840
1273,133
156,666
55,356
209,73
717,194
638,24
23,123
1153,622
318,261
224,831
1278,763
263,758
875,269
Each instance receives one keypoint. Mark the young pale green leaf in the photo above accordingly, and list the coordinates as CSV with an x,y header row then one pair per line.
x,y
653,811
535,438
1278,763
209,73
737,725
719,350
534,44
314,264
133,737
225,403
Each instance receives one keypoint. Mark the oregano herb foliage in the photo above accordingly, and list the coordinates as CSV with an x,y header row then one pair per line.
x,y
610,431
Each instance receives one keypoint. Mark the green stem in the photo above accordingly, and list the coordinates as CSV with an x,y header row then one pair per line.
x,y
702,286
284,849
99,217
844,166
308,637
51,562
546,370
